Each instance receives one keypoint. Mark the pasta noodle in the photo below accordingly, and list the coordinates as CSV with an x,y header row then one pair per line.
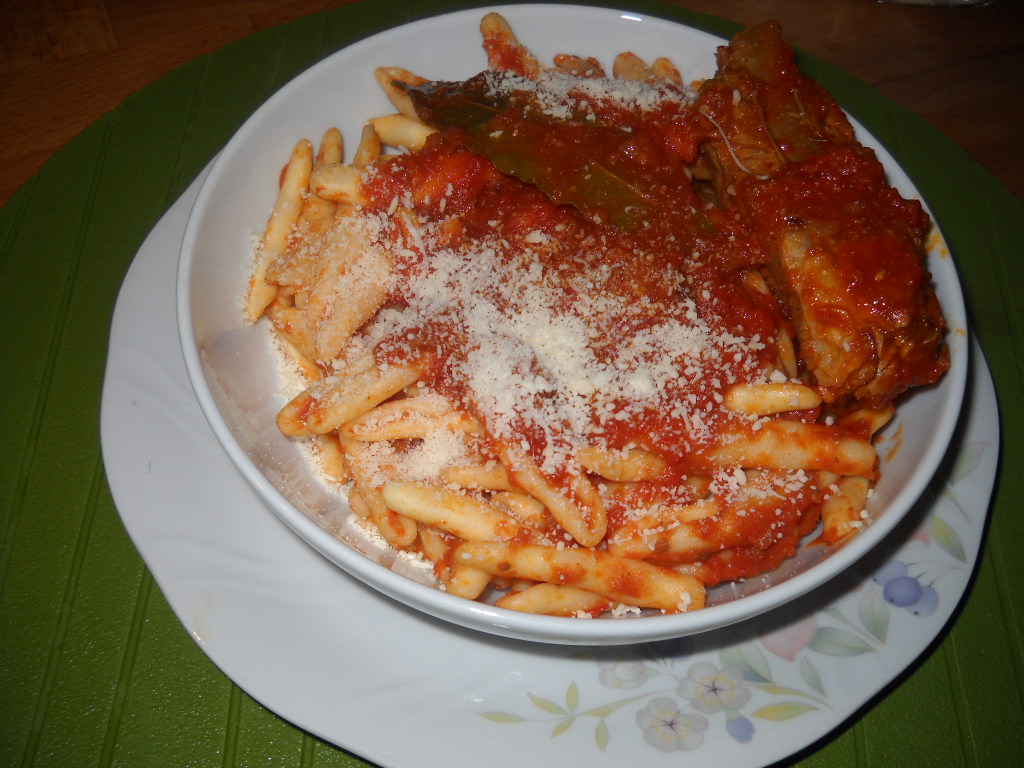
x,y
557,336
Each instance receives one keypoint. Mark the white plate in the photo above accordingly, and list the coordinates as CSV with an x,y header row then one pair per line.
x,y
388,683
235,371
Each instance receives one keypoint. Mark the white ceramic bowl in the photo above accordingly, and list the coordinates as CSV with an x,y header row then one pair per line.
x,y
234,369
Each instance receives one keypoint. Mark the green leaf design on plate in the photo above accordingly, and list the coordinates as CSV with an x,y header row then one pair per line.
x,y
606,709
838,642
947,538
783,690
836,614
547,705
502,717
749,660
563,726
785,710
874,614
601,735
810,675
572,697
967,461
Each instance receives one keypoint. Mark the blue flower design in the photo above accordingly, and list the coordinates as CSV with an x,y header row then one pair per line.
x,y
740,728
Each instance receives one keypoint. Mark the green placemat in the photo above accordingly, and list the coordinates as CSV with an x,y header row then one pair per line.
x,y
94,667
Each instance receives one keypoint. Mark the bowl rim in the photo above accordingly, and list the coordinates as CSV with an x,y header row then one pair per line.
x,y
504,622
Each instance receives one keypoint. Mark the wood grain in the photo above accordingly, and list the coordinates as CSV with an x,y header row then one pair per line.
x,y
65,63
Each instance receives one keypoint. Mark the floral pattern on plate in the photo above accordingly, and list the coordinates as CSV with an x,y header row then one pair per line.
x,y
675,695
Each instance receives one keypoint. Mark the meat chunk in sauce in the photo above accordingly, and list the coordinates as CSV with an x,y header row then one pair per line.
x,y
842,250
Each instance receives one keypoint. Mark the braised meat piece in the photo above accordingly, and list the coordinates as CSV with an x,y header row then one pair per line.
x,y
842,250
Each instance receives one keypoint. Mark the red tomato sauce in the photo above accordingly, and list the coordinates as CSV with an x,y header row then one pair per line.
x,y
681,246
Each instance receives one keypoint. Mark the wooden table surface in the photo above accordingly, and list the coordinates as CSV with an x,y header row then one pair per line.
x,y
64,63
